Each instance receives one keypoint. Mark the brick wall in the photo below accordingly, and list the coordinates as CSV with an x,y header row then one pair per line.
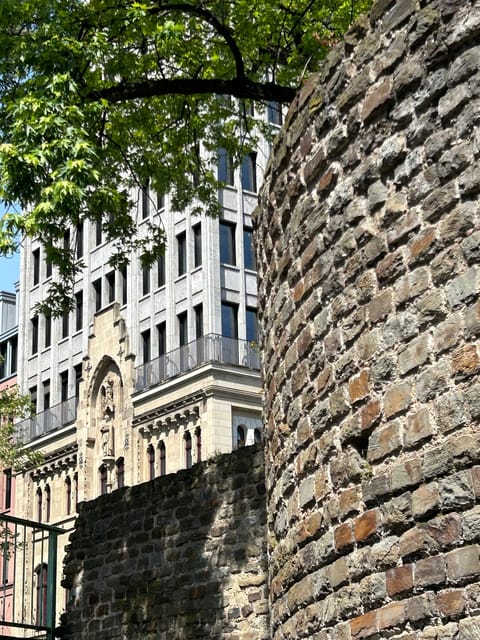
x,y
368,242
180,557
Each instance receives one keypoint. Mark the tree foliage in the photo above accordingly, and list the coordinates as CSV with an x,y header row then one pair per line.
x,y
97,97
12,452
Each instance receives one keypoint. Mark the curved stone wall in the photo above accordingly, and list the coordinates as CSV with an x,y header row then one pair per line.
x,y
368,241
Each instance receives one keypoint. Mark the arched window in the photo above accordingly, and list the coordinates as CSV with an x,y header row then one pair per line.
x,y
39,504
257,436
198,434
120,469
151,462
41,573
103,479
68,496
188,450
48,504
163,458
241,435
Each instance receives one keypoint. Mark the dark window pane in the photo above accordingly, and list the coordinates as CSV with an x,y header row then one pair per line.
x,y
188,450
123,276
182,253
34,327
79,240
197,245
198,321
36,266
48,331
111,286
229,320
161,271
146,345
145,280
252,325
249,172
274,112
162,338
145,201
97,293
248,252
183,328
78,310
227,243
225,168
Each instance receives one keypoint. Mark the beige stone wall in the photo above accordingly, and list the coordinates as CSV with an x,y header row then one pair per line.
x,y
369,227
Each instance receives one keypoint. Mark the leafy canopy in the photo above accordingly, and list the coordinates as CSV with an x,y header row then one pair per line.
x,y
12,452
97,97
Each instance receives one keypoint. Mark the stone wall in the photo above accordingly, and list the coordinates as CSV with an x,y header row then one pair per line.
x,y
369,249
180,557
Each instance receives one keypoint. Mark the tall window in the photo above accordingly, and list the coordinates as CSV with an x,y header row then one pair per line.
x,y
78,310
13,355
249,172
145,280
41,574
36,266
34,328
198,309
33,398
78,379
225,168
248,252
163,458
48,330
46,395
227,243
97,294
229,320
64,386
68,496
102,473
145,202
188,450
198,434
120,471
48,268
161,271
252,325
151,462
160,201
123,278
110,286
75,489
162,338
66,241
39,505
65,324
48,504
79,241
182,253
182,328
197,245
3,360
98,233
146,346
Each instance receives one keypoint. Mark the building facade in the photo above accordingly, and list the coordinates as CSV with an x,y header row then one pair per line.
x,y
154,369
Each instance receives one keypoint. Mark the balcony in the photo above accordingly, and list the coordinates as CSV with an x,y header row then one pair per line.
x,y
209,348
56,417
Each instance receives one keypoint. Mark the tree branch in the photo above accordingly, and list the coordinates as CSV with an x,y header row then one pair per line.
x,y
239,88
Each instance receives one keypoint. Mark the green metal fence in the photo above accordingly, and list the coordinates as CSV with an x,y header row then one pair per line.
x,y
28,562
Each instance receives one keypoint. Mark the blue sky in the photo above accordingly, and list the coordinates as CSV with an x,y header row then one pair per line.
x,y
9,272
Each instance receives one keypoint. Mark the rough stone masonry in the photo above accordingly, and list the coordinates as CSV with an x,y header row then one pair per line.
x,y
369,249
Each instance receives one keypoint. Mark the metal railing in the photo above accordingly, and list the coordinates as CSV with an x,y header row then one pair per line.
x,y
49,420
208,348
28,560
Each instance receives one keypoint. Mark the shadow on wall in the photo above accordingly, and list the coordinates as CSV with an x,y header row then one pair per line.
x,y
177,558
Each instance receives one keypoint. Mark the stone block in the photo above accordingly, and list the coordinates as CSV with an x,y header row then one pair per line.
x,y
376,98
464,288
463,563
430,571
384,441
358,386
366,525
399,580
425,500
465,360
397,398
419,427
451,603
415,354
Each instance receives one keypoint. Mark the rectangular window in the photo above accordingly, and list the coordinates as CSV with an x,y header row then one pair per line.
x,y
160,201
123,278
13,355
197,245
225,168
146,345
78,310
65,324
78,379
46,395
3,360
162,338
145,201
252,325
48,331
227,243
64,386
97,294
145,280
274,112
229,320
161,270
79,241
182,328
36,266
98,233
182,253
48,268
34,328
66,241
111,286
33,398
198,321
249,172
248,252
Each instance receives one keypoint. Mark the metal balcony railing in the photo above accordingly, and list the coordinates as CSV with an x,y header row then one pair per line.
x,y
209,348
49,420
